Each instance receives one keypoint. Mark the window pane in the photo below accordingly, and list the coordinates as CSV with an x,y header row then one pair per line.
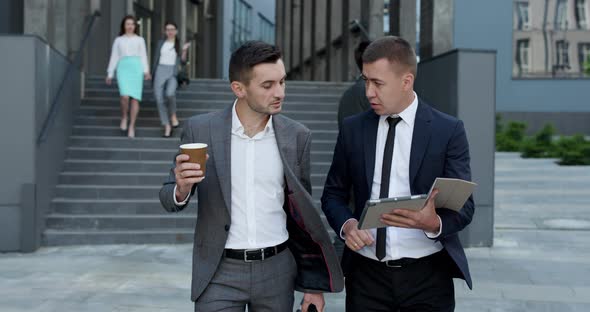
x,y
545,51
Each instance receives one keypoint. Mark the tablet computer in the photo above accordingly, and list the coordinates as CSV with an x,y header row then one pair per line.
x,y
374,208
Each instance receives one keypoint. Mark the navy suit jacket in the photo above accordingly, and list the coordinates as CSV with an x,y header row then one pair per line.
x,y
439,149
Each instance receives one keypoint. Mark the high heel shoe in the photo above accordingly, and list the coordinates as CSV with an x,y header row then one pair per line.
x,y
131,132
123,126
167,132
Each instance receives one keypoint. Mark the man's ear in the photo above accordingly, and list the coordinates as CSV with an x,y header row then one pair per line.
x,y
239,89
408,81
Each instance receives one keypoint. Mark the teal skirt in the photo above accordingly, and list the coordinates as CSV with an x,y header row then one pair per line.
x,y
130,77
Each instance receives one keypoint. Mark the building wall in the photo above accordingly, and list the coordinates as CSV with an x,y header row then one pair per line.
x,y
265,8
318,37
31,77
482,24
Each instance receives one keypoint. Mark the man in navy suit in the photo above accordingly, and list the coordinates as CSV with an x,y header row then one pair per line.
x,y
398,148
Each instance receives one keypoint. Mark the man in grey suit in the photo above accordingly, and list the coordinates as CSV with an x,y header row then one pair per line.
x,y
258,235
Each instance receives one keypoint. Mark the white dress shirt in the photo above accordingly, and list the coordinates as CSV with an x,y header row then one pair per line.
x,y
401,242
128,46
257,189
168,54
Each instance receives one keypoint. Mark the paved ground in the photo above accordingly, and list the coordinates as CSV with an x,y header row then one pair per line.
x,y
540,260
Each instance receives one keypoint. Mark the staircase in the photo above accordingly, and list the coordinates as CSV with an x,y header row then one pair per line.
x,y
108,189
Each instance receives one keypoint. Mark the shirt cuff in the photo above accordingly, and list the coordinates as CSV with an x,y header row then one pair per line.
x,y
342,228
182,203
435,235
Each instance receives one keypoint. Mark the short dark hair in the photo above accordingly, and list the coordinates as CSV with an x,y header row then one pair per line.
x,y
358,53
128,17
395,49
249,55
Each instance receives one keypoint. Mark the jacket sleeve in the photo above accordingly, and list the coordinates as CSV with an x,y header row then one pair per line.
x,y
167,190
114,59
336,194
457,166
305,164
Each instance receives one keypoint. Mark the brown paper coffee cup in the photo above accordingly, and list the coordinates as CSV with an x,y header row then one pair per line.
x,y
197,153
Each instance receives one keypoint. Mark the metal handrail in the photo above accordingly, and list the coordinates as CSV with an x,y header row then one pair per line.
x,y
49,120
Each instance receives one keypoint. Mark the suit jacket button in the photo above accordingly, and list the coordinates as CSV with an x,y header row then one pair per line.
x,y
227,227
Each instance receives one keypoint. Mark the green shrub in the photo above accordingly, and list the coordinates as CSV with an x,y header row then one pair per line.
x,y
541,146
510,139
499,126
574,151
566,144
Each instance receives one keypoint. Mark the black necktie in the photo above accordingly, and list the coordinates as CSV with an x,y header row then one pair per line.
x,y
385,175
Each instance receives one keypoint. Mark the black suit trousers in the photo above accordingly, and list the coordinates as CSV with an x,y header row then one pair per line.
x,y
425,285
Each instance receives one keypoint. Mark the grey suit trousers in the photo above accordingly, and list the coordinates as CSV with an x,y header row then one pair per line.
x,y
262,286
165,84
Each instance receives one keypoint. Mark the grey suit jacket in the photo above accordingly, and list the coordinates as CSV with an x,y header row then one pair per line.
x,y
317,263
156,60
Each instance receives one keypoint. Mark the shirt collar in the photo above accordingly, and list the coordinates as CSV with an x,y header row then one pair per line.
x,y
408,115
238,128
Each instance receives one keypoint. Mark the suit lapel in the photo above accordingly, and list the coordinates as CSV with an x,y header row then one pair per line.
x,y
370,141
286,140
220,129
420,138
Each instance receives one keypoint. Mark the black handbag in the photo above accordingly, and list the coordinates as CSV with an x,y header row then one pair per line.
x,y
182,77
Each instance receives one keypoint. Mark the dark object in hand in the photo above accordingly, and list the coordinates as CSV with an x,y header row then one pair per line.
x,y
311,308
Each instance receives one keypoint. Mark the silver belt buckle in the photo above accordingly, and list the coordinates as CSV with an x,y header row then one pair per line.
x,y
391,265
248,250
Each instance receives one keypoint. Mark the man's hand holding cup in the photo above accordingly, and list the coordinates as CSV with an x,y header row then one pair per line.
x,y
190,168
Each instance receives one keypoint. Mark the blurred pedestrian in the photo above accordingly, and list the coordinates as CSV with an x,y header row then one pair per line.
x,y
167,61
129,60
354,100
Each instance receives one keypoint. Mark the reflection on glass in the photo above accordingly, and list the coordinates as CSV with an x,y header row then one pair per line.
x,y
581,14
242,27
551,38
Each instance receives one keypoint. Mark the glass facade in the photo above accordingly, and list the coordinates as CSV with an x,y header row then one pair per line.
x,y
551,39
266,29
242,24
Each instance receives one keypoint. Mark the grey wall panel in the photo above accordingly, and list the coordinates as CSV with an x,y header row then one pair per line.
x,y
462,84
32,73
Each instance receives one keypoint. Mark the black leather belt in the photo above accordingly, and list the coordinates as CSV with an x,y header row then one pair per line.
x,y
403,262
258,254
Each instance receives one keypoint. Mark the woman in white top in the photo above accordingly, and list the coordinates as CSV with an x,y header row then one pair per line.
x,y
129,59
165,68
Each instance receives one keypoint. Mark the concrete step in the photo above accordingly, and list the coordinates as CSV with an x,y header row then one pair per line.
x,y
183,113
91,191
141,131
101,165
53,237
120,221
225,88
159,143
77,206
150,154
114,121
318,95
134,178
113,178
212,104
107,191
100,82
